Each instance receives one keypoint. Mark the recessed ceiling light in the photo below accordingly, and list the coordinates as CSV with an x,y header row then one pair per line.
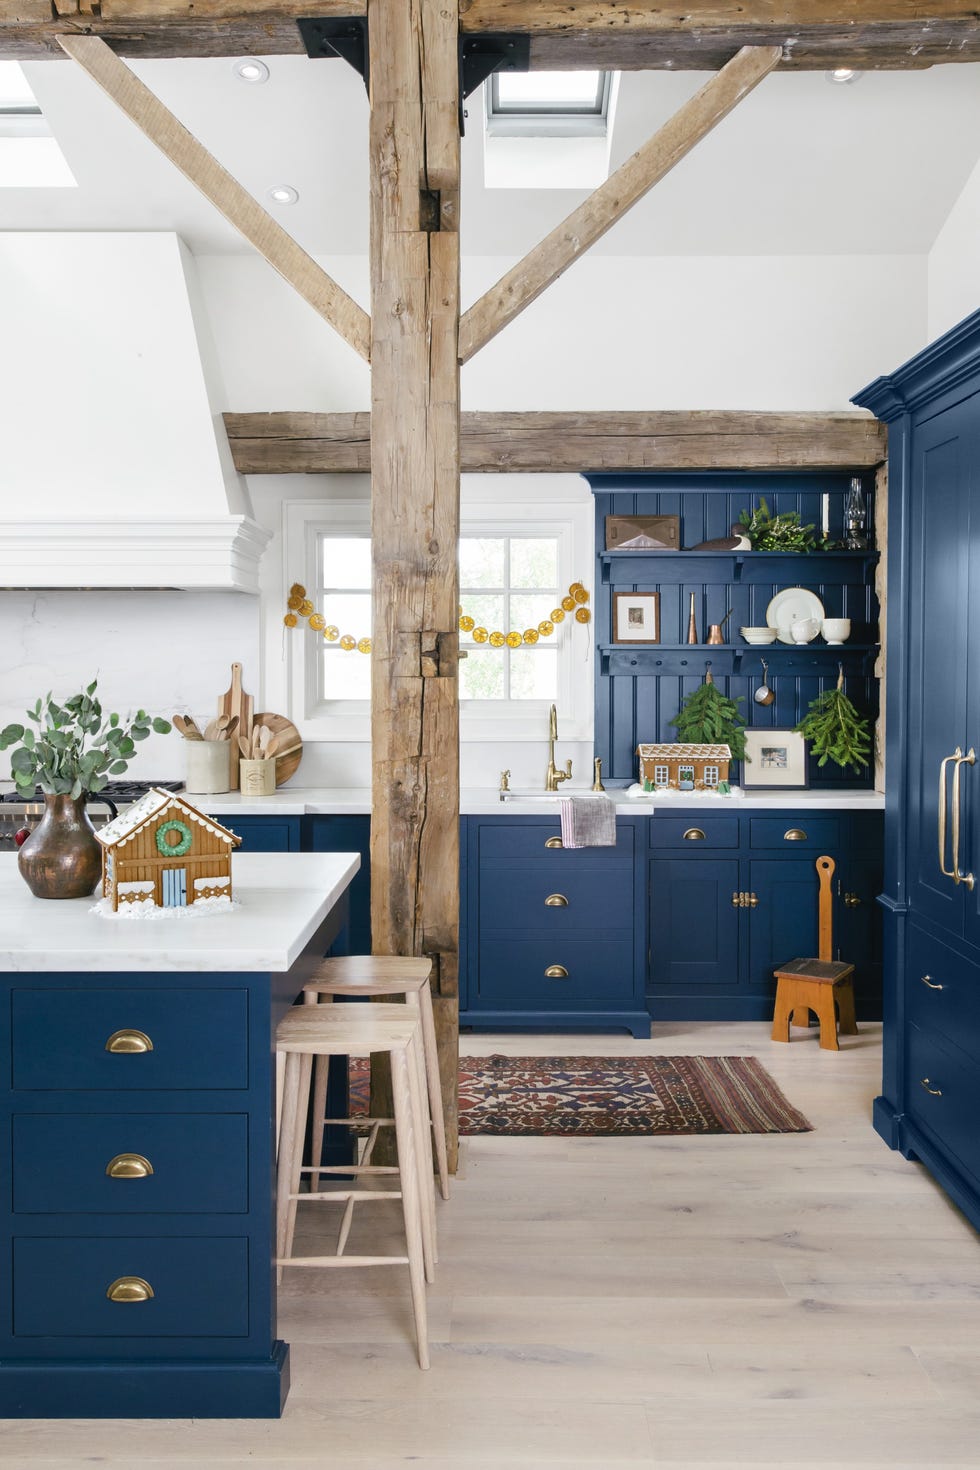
x,y
843,74
283,194
251,70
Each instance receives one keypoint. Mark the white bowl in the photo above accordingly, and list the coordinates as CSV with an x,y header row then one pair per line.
x,y
836,630
759,636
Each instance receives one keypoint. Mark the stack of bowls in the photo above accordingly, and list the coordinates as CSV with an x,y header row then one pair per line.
x,y
758,636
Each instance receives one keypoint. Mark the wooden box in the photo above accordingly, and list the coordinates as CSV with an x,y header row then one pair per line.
x,y
665,529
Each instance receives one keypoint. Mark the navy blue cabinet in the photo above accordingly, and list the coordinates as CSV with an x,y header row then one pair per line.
x,y
931,1080
694,931
265,834
349,834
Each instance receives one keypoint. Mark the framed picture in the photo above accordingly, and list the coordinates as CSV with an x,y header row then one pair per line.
x,y
636,617
774,759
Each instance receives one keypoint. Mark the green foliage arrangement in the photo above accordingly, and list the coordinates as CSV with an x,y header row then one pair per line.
x,y
782,532
74,749
707,717
836,731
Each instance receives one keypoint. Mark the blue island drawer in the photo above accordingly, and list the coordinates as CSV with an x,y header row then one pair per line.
x,y
599,974
509,839
942,991
695,831
513,895
942,1095
199,1286
199,1163
199,1039
796,832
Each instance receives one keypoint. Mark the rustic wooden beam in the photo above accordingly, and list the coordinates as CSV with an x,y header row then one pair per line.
x,y
496,443
414,160
607,204
221,189
645,34
225,193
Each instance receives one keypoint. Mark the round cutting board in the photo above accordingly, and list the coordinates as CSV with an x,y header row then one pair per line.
x,y
286,765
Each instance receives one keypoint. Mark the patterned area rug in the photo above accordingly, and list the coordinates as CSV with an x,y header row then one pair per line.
x,y
592,1096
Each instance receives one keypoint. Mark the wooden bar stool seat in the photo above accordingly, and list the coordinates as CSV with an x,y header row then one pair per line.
x,y
360,1031
372,977
822,985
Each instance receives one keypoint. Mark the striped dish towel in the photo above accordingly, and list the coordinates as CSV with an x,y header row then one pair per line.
x,y
587,821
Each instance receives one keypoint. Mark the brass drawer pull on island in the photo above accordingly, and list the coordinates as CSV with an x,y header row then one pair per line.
x,y
694,834
932,1091
928,980
129,1041
556,972
129,1166
556,901
554,842
851,901
129,1289
795,834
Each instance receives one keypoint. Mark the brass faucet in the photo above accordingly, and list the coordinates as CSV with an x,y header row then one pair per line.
x,y
554,776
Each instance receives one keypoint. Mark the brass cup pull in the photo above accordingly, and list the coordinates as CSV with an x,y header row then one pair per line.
x,y
129,1289
129,1041
556,901
554,842
932,1091
556,972
129,1166
795,834
694,834
927,980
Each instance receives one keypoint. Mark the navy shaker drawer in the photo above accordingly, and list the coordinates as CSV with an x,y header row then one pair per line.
x,y
942,1096
185,1038
199,1287
521,895
598,974
943,992
509,839
130,1163
796,833
695,831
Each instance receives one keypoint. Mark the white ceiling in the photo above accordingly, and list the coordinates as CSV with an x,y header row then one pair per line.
x,y
800,167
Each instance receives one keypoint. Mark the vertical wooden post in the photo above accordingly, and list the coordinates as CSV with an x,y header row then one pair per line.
x,y
414,149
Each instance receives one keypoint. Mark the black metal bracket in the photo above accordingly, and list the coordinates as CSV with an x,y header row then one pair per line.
x,y
479,56
344,36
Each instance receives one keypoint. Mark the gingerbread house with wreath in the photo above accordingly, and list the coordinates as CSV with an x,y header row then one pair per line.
x,y
681,767
162,851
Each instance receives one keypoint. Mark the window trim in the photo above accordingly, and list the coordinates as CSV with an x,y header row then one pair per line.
x,y
549,120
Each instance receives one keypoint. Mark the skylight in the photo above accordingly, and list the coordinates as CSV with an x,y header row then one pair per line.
x,y
548,103
30,157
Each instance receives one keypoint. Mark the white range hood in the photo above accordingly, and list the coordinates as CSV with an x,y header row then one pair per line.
x,y
115,468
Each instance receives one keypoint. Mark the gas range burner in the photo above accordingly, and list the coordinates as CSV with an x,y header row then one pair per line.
x,y
120,793
18,813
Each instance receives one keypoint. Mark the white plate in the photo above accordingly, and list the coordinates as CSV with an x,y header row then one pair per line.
x,y
788,606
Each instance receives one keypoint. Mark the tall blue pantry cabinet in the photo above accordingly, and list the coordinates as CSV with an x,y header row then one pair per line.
x,y
930,1097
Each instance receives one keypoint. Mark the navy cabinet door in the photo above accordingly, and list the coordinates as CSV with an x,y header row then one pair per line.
x,y
350,834
783,924
693,924
264,834
857,929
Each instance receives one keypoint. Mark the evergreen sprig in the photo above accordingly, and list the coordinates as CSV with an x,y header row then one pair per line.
x,y
708,717
782,532
836,730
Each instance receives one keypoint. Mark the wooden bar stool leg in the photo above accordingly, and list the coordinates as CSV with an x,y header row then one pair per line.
x,y
411,1203
299,1139
845,1008
280,1087
827,1016
321,1074
287,1142
782,1013
434,1083
423,1155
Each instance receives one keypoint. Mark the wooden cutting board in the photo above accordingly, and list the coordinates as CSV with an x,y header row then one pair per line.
x,y
235,701
286,765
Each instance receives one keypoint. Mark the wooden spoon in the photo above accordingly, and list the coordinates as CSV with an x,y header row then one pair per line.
x,y
187,727
245,748
230,729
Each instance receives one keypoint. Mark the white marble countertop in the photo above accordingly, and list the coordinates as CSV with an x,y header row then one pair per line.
x,y
280,899
292,800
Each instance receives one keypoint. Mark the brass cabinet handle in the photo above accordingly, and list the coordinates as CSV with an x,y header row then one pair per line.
x,y
129,1289
694,834
946,872
556,901
795,834
554,842
927,980
129,1166
736,900
961,760
751,901
129,1041
556,972
852,901
932,1091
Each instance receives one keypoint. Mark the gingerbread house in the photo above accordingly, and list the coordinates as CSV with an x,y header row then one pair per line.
x,y
679,767
163,851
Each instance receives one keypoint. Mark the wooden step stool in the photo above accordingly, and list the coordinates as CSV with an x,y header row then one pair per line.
x,y
822,985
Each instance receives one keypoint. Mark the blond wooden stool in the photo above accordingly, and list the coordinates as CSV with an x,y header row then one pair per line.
x,y
370,976
395,1031
822,985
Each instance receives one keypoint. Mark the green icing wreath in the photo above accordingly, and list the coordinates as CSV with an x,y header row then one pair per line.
x,y
176,849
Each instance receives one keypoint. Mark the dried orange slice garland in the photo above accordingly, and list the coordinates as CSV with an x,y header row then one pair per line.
x,y
302,609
